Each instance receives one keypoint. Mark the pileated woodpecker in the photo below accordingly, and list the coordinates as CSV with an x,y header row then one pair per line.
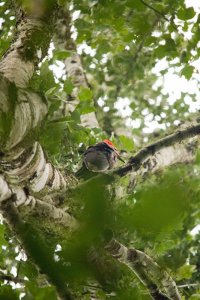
x,y
98,158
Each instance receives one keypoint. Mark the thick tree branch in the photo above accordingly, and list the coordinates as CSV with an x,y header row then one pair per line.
x,y
177,148
73,67
22,110
157,281
34,23
44,209
23,165
149,283
30,168
136,161
31,240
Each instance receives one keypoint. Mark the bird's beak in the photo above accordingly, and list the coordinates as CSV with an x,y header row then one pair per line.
x,y
119,157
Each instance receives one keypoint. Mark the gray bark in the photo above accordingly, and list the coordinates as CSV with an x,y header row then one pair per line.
x,y
23,161
146,269
73,67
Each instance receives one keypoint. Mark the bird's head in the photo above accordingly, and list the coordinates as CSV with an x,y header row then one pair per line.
x,y
112,146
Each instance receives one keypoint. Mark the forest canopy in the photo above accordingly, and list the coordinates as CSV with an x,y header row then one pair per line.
x,y
73,74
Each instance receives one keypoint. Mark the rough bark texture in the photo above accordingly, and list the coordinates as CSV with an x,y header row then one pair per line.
x,y
30,168
32,240
166,152
27,50
27,174
36,207
147,270
22,110
29,179
171,140
73,67
178,148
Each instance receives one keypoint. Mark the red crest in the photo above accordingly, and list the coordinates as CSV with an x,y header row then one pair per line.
x,y
111,145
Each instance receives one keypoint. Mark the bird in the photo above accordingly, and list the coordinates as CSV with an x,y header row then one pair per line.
x,y
98,158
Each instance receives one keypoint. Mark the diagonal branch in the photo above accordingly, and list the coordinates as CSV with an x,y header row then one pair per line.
x,y
158,282
136,161
155,10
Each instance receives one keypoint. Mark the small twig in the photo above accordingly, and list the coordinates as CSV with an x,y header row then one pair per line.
x,y
155,10
143,41
7,277
11,278
18,268
136,161
189,285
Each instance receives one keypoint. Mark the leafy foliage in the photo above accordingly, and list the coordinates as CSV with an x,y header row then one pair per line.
x,y
127,40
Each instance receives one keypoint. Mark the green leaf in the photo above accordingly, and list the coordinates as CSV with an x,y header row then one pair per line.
x,y
136,4
186,14
187,71
85,94
159,207
85,107
185,272
68,86
198,157
2,235
75,115
51,91
195,296
27,268
55,130
160,51
61,54
47,80
7,293
62,2
127,143
104,47
36,293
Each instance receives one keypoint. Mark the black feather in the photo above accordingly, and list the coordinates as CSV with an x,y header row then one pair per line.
x,y
83,172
